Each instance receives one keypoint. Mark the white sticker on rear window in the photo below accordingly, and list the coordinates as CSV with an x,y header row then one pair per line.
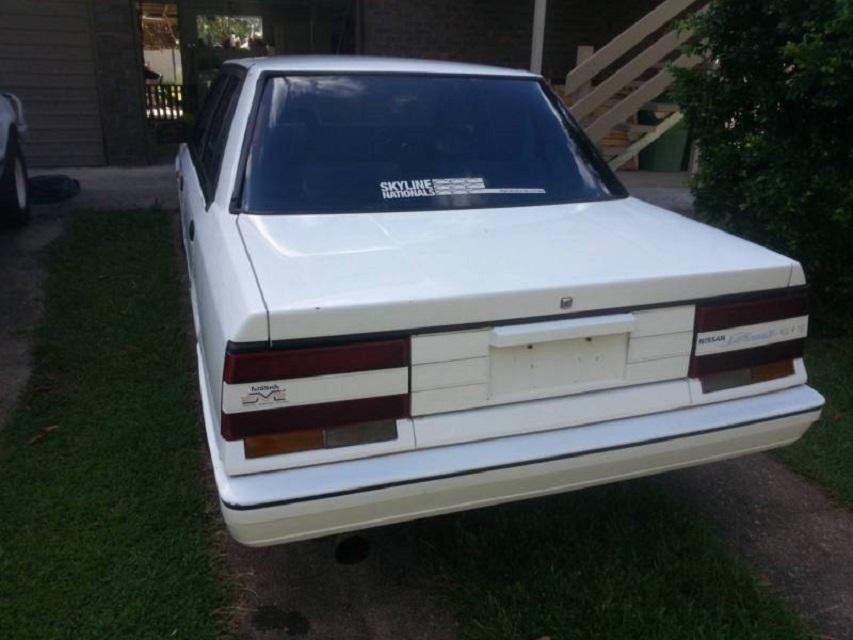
x,y
432,187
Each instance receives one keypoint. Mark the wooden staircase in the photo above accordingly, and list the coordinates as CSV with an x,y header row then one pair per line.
x,y
609,88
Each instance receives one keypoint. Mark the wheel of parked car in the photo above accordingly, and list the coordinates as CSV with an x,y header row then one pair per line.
x,y
14,191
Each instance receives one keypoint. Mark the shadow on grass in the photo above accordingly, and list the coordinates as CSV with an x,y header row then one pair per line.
x,y
623,561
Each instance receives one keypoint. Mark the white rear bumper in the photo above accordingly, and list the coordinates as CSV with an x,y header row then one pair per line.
x,y
308,502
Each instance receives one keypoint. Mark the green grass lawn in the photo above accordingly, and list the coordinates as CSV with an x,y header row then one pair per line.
x,y
825,454
618,562
105,530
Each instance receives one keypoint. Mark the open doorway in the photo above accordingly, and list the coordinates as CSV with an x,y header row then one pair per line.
x,y
185,42
165,104
215,31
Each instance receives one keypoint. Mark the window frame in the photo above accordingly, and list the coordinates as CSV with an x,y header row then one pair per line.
x,y
209,184
587,148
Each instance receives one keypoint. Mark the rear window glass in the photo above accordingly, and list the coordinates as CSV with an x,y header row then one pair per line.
x,y
358,143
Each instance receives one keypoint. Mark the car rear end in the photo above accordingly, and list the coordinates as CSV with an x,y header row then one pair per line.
x,y
383,430
451,348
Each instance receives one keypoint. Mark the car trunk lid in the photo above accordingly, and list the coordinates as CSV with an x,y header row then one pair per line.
x,y
336,275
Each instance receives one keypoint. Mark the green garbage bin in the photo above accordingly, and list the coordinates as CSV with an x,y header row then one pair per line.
x,y
667,152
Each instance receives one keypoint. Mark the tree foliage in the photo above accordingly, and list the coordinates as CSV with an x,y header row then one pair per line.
x,y
772,112
220,30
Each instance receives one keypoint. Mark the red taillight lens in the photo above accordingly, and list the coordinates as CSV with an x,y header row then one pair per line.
x,y
725,315
315,361
314,388
749,333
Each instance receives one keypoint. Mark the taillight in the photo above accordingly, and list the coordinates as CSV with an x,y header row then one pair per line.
x,y
748,340
306,398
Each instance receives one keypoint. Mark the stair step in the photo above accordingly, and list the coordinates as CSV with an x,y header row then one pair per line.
x,y
632,128
611,151
640,128
667,107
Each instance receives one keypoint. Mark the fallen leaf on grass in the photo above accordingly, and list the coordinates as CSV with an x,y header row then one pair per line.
x,y
41,434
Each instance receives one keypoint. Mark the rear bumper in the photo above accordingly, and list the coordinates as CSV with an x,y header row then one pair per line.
x,y
308,502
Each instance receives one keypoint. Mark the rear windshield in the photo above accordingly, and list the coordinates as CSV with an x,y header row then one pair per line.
x,y
369,143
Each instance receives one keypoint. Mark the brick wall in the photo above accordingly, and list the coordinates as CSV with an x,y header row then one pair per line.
x,y
571,23
119,78
484,31
494,32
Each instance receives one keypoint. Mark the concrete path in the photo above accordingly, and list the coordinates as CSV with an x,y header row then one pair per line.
x,y
23,254
667,190
795,537
120,187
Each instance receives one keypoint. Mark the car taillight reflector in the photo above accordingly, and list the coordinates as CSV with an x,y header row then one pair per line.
x,y
313,416
747,334
315,361
277,443
739,377
724,315
314,389
333,437
743,358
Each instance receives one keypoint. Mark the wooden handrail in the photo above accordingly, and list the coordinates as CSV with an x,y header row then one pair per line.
x,y
630,104
633,68
164,101
631,37
656,132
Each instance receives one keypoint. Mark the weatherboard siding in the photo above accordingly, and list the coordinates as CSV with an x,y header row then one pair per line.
x,y
47,60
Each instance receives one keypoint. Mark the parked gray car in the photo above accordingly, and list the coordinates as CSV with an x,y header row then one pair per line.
x,y
14,191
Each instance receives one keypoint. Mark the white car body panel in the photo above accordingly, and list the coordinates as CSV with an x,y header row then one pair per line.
x,y
541,331
224,308
427,270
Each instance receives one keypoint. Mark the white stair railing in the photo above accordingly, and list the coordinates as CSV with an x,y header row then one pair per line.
x,y
616,99
631,37
632,103
632,69
656,132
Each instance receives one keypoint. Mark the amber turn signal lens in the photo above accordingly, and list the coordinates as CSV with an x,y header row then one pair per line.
x,y
765,372
741,377
293,441
289,442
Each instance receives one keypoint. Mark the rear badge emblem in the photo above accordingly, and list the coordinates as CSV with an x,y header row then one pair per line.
x,y
264,394
566,303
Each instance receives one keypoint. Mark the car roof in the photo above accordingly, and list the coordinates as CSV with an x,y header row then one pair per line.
x,y
367,64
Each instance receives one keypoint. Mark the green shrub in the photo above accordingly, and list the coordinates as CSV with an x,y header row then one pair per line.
x,y
773,116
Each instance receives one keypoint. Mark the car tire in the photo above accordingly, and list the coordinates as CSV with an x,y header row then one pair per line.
x,y
14,187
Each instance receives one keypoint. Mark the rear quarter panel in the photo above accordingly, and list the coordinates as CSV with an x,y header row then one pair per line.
x,y
227,304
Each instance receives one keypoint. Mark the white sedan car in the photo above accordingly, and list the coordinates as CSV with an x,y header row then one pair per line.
x,y
417,289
